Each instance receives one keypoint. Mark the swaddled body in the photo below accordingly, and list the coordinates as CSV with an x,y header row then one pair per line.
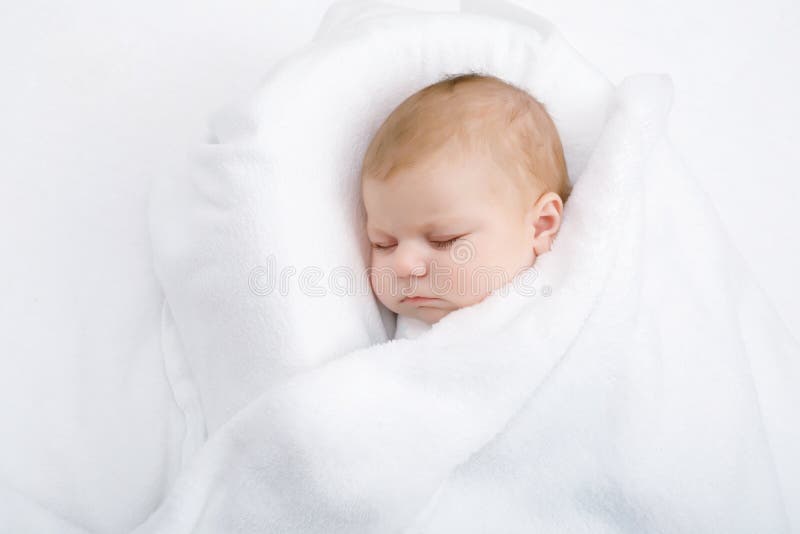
x,y
599,407
463,185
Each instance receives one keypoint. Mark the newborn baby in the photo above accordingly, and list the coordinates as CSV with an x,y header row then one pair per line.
x,y
463,187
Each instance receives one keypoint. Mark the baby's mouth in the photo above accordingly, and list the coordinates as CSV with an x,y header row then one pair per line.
x,y
420,300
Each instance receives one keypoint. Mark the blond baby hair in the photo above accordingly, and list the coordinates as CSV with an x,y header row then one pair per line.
x,y
482,112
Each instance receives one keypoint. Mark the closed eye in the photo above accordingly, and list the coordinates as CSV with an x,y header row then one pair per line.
x,y
437,244
444,244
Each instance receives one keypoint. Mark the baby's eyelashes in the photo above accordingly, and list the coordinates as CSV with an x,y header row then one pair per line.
x,y
443,244
439,244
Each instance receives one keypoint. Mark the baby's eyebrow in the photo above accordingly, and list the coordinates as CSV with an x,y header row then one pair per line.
x,y
375,230
427,227
445,223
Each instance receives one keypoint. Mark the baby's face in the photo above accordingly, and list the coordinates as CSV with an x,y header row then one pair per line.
x,y
445,234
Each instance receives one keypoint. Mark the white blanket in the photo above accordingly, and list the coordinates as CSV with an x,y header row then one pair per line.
x,y
634,379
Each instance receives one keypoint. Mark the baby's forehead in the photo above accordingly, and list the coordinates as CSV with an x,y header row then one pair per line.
x,y
437,211
436,222
449,173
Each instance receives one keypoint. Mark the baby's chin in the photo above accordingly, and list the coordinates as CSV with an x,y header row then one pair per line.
x,y
429,315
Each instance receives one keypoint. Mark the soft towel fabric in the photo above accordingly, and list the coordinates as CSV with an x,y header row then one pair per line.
x,y
241,239
409,327
634,379
274,201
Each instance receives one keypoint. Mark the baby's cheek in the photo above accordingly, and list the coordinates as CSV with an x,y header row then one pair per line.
x,y
381,280
375,283
482,280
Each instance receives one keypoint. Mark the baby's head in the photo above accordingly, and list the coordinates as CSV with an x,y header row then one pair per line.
x,y
463,186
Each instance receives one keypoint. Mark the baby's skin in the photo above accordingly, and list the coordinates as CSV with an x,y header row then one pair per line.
x,y
443,238
460,188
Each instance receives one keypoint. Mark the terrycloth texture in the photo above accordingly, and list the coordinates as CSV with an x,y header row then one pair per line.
x,y
276,196
409,327
636,379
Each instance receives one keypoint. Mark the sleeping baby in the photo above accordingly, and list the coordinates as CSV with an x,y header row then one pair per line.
x,y
463,187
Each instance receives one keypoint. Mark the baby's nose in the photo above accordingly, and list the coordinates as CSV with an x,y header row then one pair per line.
x,y
410,260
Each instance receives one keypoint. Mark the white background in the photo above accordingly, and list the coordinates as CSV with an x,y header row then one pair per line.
x,y
97,98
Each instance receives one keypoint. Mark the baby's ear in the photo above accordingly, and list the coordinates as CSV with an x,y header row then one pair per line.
x,y
546,221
